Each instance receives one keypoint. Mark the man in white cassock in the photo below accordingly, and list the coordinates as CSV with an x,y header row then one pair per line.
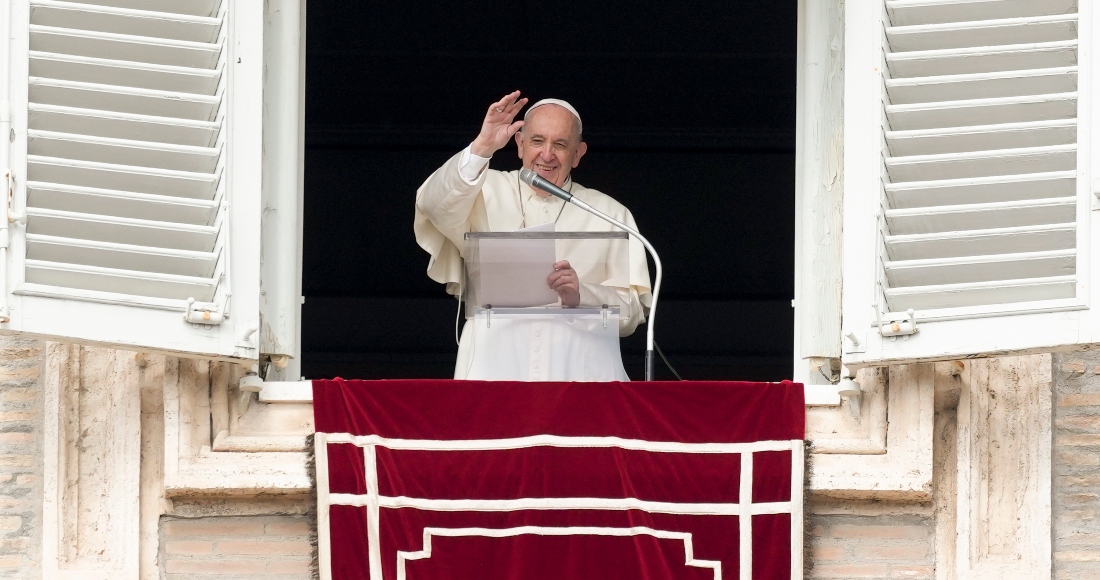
x,y
464,195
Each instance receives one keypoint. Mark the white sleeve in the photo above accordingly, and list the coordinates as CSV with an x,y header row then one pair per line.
x,y
470,166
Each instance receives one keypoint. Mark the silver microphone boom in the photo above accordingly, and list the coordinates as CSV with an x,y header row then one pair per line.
x,y
534,180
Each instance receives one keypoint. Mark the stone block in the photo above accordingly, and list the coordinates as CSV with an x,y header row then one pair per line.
x,y
188,547
299,548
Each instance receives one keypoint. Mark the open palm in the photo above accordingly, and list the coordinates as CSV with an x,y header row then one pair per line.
x,y
499,126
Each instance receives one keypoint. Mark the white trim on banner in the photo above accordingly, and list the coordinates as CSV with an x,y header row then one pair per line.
x,y
744,522
689,556
558,441
374,550
562,503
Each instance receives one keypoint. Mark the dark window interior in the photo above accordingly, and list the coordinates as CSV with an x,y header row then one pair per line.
x,y
688,110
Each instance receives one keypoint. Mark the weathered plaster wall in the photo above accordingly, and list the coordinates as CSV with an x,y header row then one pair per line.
x,y
1076,481
20,458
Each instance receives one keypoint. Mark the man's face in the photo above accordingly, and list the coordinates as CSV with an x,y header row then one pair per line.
x,y
549,143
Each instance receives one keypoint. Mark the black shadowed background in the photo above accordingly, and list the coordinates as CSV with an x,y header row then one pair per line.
x,y
688,110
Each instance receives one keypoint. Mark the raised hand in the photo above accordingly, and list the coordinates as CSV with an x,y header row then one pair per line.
x,y
564,281
498,127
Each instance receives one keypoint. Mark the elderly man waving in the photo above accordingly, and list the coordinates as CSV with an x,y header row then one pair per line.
x,y
464,195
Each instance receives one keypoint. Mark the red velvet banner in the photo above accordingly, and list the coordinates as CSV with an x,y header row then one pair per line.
x,y
430,480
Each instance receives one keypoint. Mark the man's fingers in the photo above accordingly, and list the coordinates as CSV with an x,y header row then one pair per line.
x,y
516,106
506,100
560,281
505,105
514,128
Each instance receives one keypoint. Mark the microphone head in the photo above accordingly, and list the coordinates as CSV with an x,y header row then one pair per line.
x,y
527,176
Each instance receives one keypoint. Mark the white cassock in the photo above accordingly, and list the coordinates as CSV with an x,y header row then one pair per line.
x,y
465,196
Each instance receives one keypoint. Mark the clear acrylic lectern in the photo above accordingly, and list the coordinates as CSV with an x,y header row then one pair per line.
x,y
520,330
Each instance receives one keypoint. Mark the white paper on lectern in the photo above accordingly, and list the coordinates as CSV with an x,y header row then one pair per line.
x,y
514,272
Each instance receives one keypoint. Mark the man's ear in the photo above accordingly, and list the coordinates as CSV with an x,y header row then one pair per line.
x,y
519,143
581,150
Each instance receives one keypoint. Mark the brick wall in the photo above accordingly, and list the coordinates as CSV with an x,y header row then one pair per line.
x,y
1076,465
870,546
20,458
235,548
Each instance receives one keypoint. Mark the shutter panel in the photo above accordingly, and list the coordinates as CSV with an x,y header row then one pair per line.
x,y
965,196
141,159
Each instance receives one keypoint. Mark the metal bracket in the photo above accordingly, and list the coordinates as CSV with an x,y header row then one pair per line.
x,y
245,339
857,342
896,324
203,313
850,390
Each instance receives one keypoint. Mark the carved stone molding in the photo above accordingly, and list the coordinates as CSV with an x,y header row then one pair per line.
x,y
904,470
837,430
218,441
92,452
1004,469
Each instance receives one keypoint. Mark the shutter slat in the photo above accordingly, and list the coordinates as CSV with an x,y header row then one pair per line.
x,y
973,86
106,18
123,151
124,204
981,293
984,33
118,230
120,281
122,177
969,112
988,215
982,138
124,47
981,242
983,163
116,125
982,59
911,12
188,7
942,271
124,99
981,190
121,256
124,74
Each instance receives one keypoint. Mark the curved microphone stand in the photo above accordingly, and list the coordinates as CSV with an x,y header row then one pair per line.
x,y
531,178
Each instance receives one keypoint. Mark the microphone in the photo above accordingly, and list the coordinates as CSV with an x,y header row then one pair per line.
x,y
534,180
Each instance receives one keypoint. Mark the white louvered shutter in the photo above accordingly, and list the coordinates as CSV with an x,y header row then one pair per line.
x,y
967,178
137,161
